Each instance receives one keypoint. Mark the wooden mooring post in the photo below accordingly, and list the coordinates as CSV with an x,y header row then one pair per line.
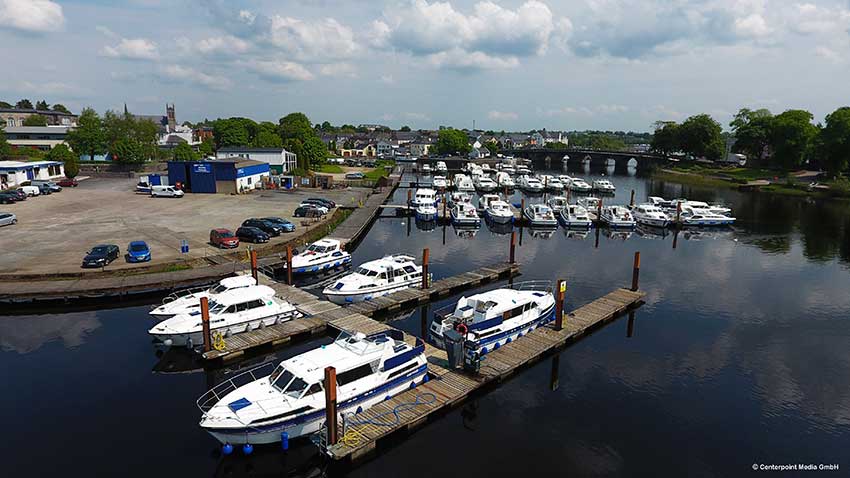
x,y
630,328
554,376
632,200
409,197
254,266
559,304
512,254
425,254
330,404
636,272
289,264
205,323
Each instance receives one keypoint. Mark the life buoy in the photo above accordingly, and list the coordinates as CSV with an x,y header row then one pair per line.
x,y
462,329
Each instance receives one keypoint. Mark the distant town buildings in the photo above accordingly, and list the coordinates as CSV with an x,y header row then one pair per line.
x,y
44,138
16,117
280,161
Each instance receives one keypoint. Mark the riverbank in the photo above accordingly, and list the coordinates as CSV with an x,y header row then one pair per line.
x,y
754,179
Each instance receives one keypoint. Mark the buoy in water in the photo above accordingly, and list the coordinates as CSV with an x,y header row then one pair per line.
x,y
227,448
247,448
284,440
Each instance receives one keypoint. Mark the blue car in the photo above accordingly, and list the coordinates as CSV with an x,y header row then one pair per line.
x,y
283,223
138,251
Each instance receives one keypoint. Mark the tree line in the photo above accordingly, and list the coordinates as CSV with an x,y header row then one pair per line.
x,y
786,141
26,104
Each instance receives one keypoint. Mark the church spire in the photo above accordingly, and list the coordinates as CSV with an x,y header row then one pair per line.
x,y
125,108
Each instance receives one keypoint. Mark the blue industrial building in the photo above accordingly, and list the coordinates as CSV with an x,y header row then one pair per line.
x,y
218,176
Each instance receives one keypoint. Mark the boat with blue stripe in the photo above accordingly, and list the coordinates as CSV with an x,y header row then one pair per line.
x,y
257,406
320,256
495,318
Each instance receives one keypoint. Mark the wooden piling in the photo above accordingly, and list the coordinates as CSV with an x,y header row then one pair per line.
x,y
425,254
630,329
675,237
632,200
330,404
205,323
409,197
678,213
636,272
254,266
445,205
559,304
512,255
289,264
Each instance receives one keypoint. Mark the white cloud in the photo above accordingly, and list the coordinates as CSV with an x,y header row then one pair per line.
x,y
388,79
339,70
280,70
185,74
53,88
810,19
313,40
458,59
502,115
133,49
753,25
416,116
222,45
603,109
829,54
32,15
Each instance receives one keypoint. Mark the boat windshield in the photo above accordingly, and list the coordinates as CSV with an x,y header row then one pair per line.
x,y
285,382
317,249
366,272
217,308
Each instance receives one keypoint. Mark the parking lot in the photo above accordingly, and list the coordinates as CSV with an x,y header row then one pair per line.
x,y
54,232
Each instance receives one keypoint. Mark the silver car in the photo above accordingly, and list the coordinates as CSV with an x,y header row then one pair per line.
x,y
7,218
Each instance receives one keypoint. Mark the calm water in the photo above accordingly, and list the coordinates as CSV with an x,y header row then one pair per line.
x,y
739,356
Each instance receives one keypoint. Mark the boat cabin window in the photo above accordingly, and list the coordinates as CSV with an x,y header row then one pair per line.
x,y
218,289
383,275
409,269
256,304
241,307
296,388
366,272
280,378
484,306
317,249
216,308
354,374
315,388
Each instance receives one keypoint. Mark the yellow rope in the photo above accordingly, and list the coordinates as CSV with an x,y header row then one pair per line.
x,y
352,437
218,342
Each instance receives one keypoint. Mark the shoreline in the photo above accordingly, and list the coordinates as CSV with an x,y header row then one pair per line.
x,y
714,180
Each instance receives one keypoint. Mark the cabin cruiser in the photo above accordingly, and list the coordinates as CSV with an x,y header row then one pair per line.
x,y
540,215
530,184
190,300
369,369
603,186
464,183
465,214
426,212
459,198
499,212
495,318
551,183
523,170
426,168
424,197
504,180
509,169
590,204
691,217
439,182
565,179
574,215
441,167
650,215
375,279
557,203
320,256
579,185
231,312
702,208
484,183
617,216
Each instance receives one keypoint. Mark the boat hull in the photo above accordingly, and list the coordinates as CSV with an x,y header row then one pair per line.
x,y
488,344
320,266
500,219
342,298
196,337
652,222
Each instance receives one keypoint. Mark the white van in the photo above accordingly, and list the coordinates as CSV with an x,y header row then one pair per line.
x,y
166,192
31,190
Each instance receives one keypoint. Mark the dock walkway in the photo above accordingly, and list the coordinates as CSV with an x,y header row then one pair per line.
x,y
450,387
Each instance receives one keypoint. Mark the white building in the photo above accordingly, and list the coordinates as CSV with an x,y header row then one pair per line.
x,y
419,149
44,138
15,173
279,160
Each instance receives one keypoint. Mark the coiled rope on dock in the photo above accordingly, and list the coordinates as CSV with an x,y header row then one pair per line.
x,y
352,436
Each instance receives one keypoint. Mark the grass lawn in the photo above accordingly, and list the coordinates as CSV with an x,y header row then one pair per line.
x,y
741,174
375,174
330,168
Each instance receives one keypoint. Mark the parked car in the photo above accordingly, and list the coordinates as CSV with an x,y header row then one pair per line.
x,y
223,238
55,188
252,234
326,202
166,192
101,255
8,197
45,190
7,219
20,195
138,251
30,190
268,227
317,206
68,183
308,210
286,225
355,175
318,202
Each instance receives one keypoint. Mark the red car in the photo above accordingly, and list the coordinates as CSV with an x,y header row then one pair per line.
x,y
224,238
68,182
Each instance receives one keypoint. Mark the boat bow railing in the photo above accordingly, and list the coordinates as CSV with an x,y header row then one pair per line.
x,y
214,395
182,293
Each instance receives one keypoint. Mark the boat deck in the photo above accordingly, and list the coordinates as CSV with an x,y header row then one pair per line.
x,y
450,387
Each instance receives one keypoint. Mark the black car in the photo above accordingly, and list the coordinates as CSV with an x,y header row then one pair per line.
x,y
308,210
268,227
252,234
45,189
101,255
286,225
8,198
325,202
19,193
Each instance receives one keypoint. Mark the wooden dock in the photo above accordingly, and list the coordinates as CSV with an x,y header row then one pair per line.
x,y
450,387
319,314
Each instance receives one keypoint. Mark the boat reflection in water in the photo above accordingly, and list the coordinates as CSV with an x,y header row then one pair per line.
x,y
310,281
651,232
579,234
499,229
618,234
465,232
542,232
301,460
694,233
426,226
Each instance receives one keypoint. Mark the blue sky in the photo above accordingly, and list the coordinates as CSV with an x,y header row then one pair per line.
x,y
512,64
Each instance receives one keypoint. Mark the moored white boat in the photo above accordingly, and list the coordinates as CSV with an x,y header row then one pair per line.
x,y
689,217
439,182
375,279
551,183
441,167
579,185
424,197
321,255
617,216
499,212
231,312
465,214
540,215
190,300
291,399
495,318
574,215
459,198
530,184
464,183
504,180
650,215
603,186
484,183
557,203
426,212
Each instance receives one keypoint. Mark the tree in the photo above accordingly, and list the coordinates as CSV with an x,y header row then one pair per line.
x,y
834,140
128,151
3,104
666,137
42,106
701,136
60,107
5,148
452,141
300,138
136,137
207,148
184,152
315,152
231,132
61,153
752,131
493,146
89,137
24,104
295,126
267,136
35,120
791,136
405,128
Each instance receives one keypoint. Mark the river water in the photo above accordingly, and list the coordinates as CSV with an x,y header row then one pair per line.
x,y
739,357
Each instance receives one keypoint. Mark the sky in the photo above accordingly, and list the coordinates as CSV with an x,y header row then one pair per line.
x,y
502,64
